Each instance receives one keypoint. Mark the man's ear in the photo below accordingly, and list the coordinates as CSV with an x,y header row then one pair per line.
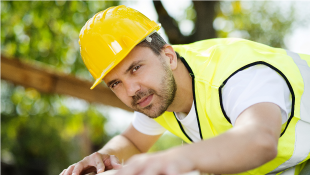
x,y
170,56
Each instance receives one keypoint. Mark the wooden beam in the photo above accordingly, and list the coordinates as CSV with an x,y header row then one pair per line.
x,y
48,81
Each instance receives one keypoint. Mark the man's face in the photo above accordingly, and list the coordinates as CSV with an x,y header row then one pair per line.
x,y
143,81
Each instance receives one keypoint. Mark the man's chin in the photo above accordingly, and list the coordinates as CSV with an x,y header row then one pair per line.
x,y
151,113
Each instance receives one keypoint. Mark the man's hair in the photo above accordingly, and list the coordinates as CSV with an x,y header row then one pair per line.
x,y
156,45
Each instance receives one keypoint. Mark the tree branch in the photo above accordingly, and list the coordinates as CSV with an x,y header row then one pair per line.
x,y
205,11
169,24
203,26
48,81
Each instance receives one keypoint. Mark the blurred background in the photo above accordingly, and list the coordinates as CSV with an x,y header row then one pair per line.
x,y
49,117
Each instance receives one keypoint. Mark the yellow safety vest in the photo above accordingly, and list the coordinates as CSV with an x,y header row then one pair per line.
x,y
212,62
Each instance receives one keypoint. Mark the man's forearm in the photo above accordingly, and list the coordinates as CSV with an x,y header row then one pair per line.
x,y
235,151
231,152
121,147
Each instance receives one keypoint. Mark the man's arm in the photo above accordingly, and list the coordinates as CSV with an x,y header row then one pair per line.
x,y
251,143
129,143
123,146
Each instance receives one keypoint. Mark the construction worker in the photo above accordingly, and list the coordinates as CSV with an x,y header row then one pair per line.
x,y
245,106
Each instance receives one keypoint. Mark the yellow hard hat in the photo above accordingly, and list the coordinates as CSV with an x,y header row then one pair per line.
x,y
109,36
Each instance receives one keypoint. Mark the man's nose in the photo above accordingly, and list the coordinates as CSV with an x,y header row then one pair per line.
x,y
132,87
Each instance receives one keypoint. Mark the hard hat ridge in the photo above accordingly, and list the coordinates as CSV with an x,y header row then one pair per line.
x,y
109,36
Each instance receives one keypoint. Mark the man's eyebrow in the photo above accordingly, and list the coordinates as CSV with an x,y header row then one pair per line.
x,y
133,64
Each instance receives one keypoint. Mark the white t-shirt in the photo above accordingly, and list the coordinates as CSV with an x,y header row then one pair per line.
x,y
250,86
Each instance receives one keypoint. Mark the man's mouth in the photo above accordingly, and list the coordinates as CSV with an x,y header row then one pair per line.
x,y
145,101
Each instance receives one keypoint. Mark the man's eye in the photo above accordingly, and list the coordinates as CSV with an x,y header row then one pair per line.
x,y
135,68
114,84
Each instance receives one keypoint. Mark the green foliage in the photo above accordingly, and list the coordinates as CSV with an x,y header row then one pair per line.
x,y
261,21
48,32
166,141
265,22
40,126
53,130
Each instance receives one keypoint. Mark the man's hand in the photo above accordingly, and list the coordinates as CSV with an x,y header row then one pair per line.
x,y
95,162
166,162
123,146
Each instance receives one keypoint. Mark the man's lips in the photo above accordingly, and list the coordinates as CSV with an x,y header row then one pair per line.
x,y
145,101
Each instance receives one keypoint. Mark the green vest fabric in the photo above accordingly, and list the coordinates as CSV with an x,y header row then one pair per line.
x,y
212,62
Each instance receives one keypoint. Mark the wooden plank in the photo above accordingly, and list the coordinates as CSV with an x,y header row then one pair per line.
x,y
24,75
48,81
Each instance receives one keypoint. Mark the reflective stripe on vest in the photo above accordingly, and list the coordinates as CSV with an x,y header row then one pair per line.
x,y
302,129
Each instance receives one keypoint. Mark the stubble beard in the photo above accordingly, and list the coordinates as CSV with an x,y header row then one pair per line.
x,y
165,95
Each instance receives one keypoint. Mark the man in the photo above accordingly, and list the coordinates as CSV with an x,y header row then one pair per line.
x,y
243,104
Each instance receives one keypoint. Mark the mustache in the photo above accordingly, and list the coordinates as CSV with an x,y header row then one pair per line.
x,y
141,94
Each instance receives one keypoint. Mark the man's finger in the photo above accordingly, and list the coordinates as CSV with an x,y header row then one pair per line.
x,y
69,170
79,167
115,162
63,171
98,162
